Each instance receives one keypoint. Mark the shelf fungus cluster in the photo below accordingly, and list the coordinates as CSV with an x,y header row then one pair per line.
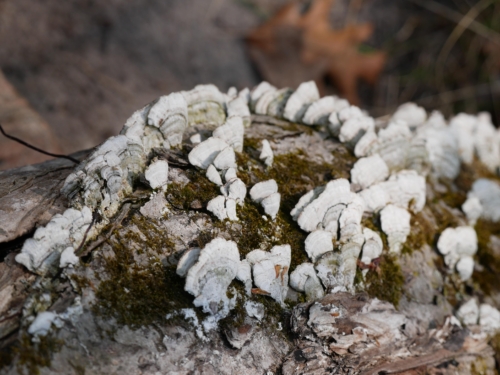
x,y
317,236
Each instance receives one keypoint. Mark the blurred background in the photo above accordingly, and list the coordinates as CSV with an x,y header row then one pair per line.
x,y
73,71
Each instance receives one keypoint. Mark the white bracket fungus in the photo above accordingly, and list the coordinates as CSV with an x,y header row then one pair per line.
x,y
105,178
217,206
489,318
472,209
319,111
264,100
406,189
366,143
375,197
395,223
311,210
270,270
354,128
331,219
232,132
234,189
393,145
238,107
462,126
368,171
213,175
267,153
187,260
225,159
157,174
487,142
258,91
266,193
209,278
318,243
169,114
372,247
304,279
40,253
205,105
488,193
458,245
411,114
245,275
43,322
297,104
68,258
230,174
442,148
468,313
337,270
350,219
203,154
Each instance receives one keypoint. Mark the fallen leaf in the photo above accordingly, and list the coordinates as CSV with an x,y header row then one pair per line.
x,y
20,120
292,47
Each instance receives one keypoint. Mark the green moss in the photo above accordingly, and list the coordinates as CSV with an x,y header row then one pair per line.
x,y
386,283
488,279
422,232
31,356
236,316
255,230
195,194
139,294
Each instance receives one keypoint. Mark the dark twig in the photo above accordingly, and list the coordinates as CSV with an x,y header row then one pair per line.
x,y
95,217
36,148
123,212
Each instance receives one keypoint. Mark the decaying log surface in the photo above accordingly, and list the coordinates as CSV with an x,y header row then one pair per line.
x,y
123,309
30,196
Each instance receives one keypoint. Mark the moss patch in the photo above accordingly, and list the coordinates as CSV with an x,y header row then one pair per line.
x,y
422,232
295,175
387,282
195,194
488,279
31,356
139,294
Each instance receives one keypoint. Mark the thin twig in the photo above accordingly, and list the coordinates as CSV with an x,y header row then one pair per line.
x,y
36,148
94,219
462,93
123,212
460,28
457,17
463,25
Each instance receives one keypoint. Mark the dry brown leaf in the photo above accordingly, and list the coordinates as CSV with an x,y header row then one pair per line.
x,y
292,47
20,120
